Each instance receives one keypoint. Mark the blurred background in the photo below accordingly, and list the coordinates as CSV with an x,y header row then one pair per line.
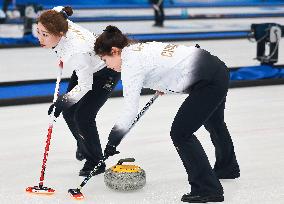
x,y
245,34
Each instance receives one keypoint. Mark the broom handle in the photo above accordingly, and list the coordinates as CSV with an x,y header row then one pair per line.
x,y
50,128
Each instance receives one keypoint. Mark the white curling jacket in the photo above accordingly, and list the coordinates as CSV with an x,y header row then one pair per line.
x,y
76,51
168,68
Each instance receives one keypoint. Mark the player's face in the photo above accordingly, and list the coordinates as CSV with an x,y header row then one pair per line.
x,y
113,61
46,39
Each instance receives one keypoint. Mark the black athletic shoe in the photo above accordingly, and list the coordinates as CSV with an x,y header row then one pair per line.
x,y
228,176
79,155
89,166
201,199
158,25
228,173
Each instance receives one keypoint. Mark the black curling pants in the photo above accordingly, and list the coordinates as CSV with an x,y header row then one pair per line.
x,y
5,5
159,15
80,117
226,163
204,106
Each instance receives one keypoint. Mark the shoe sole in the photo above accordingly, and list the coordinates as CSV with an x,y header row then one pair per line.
x,y
205,200
229,177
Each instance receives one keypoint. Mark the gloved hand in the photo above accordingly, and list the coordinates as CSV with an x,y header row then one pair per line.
x,y
59,105
110,151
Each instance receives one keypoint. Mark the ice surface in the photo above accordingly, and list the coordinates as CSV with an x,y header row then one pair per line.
x,y
254,117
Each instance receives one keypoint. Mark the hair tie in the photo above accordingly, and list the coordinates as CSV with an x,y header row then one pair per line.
x,y
64,14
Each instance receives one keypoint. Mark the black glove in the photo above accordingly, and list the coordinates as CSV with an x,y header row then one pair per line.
x,y
60,104
110,151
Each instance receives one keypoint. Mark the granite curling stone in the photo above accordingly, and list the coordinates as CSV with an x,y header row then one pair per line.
x,y
123,177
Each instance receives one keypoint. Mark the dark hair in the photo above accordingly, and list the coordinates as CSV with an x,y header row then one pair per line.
x,y
111,37
56,22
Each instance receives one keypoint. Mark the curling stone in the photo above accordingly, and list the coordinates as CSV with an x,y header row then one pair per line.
x,y
125,177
